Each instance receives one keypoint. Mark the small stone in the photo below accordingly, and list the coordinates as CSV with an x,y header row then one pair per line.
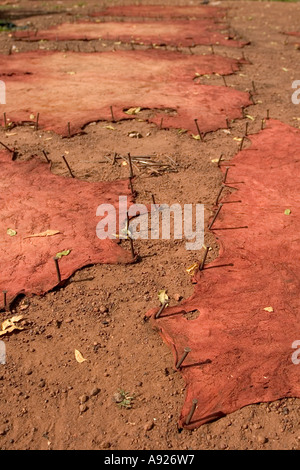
x,y
83,399
148,426
117,397
177,297
103,309
83,408
262,439
2,431
95,391
106,444
42,384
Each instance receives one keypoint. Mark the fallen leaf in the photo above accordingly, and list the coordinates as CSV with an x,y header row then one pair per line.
x,y
162,295
250,117
8,326
238,139
287,211
78,356
111,128
48,233
135,134
269,309
132,111
196,137
192,269
11,232
182,131
62,253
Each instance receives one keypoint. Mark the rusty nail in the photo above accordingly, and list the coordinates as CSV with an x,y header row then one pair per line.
x,y
251,97
68,166
57,269
158,314
7,148
220,192
242,143
220,159
5,299
45,155
112,114
130,239
225,175
190,415
204,258
130,166
215,216
37,121
199,132
187,350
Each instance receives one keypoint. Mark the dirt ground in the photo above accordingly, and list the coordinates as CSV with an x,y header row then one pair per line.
x,y
47,399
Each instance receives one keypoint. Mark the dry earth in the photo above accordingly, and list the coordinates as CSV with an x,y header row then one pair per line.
x,y
47,399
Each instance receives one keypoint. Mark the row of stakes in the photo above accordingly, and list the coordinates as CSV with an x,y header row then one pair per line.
x,y
187,350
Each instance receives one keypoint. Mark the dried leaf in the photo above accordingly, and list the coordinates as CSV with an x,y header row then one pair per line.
x,y
196,137
238,139
192,269
111,128
11,232
162,295
135,134
8,326
79,357
250,117
48,233
63,253
269,309
287,211
132,111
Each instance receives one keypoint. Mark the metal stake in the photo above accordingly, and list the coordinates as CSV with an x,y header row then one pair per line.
x,y
187,350
204,258
199,132
190,415
57,269
158,314
68,166
215,216
5,299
